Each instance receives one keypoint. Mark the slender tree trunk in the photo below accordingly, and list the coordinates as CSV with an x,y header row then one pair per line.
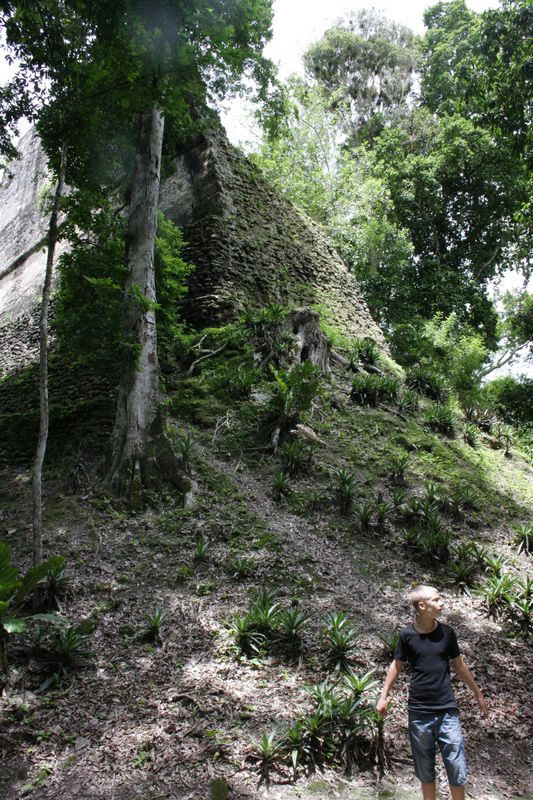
x,y
37,472
140,455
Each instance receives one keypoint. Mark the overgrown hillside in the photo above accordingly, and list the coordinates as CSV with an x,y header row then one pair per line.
x,y
189,634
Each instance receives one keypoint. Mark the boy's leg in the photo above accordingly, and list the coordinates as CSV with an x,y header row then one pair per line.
x,y
422,738
428,791
451,745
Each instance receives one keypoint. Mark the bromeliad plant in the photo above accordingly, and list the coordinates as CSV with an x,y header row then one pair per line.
x,y
292,394
340,639
341,728
296,456
523,538
345,490
281,487
398,465
365,353
15,591
428,382
369,390
363,514
441,419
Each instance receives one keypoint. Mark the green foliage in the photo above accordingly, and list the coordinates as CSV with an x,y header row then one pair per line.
x,y
89,303
428,382
341,727
281,485
289,631
296,457
373,389
340,639
365,353
441,418
470,434
408,401
15,591
496,593
241,568
292,394
510,398
397,466
267,751
345,489
268,626
463,573
200,548
523,538
153,626
354,57
390,641
363,514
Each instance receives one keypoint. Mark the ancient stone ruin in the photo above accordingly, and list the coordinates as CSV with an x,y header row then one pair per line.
x,y
250,247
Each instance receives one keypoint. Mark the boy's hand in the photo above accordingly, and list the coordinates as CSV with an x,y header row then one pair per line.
x,y
382,707
482,703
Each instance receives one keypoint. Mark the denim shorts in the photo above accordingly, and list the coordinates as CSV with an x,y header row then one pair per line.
x,y
442,728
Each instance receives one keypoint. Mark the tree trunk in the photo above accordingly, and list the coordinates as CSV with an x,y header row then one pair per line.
x,y
140,454
37,471
311,344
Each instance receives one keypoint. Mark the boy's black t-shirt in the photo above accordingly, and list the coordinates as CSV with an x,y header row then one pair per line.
x,y
429,657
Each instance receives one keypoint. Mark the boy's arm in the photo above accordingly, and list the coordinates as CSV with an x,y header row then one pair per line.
x,y
394,670
464,673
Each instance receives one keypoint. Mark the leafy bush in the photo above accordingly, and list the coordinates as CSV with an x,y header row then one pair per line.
x,y
363,514
481,416
390,641
523,537
342,727
408,401
292,394
290,627
371,389
397,466
154,623
15,590
267,626
345,489
281,485
365,352
427,381
497,593
470,434
440,418
340,640
239,381
296,456
511,399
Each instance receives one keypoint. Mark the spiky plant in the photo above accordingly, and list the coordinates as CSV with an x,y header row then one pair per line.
x,y
345,489
281,485
340,640
523,537
363,514
296,456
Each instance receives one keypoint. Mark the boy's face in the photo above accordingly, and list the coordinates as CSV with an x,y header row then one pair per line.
x,y
432,605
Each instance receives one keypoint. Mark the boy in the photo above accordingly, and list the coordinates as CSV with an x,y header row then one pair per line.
x,y
429,646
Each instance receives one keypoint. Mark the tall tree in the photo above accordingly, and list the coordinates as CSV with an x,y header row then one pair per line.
x,y
365,65
175,54
50,43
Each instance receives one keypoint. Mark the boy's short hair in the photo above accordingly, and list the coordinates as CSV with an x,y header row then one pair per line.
x,y
418,594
